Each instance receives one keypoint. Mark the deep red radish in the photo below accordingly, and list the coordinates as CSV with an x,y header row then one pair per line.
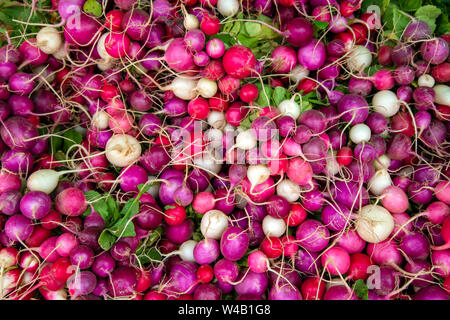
x,y
62,269
210,25
205,273
359,264
198,108
313,289
272,247
239,61
144,281
296,216
248,93
175,215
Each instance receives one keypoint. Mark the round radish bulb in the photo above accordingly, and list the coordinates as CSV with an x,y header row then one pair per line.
x,y
49,40
359,59
273,227
122,150
213,224
374,223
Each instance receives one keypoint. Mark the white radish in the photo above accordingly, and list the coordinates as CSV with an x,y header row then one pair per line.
x,y
228,8
45,180
214,137
289,108
213,224
273,227
289,190
216,119
298,73
207,162
186,250
245,140
61,53
49,40
106,64
100,120
386,103
191,22
374,223
183,88
206,88
257,174
359,59
442,94
380,180
122,150
426,80
360,133
101,47
332,166
382,162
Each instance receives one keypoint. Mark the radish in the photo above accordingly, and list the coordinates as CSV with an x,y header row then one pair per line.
x,y
360,133
426,80
191,22
289,108
187,250
374,223
122,150
442,94
386,103
48,40
257,174
359,58
213,224
289,190
228,8
379,182
273,227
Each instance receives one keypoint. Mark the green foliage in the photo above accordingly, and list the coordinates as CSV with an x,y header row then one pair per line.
x,y
118,223
93,7
429,14
361,289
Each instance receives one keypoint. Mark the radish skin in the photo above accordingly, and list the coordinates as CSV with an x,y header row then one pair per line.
x,y
122,150
374,223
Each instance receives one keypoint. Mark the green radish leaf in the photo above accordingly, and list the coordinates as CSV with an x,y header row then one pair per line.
x,y
410,5
266,32
429,15
264,95
156,234
361,289
321,25
253,29
279,94
106,240
86,212
153,254
92,196
93,7
372,69
72,137
246,41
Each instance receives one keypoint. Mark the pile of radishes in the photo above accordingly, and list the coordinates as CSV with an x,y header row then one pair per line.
x,y
148,154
